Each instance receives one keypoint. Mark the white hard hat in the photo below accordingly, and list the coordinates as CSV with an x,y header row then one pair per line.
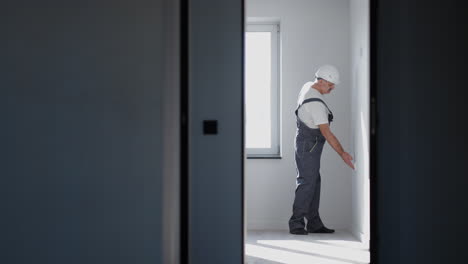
x,y
329,73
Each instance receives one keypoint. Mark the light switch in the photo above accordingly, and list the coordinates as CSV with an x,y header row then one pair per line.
x,y
210,127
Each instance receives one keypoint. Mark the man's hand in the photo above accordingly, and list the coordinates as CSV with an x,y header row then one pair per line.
x,y
347,159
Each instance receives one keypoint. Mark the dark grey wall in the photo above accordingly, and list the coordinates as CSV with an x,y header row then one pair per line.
x,y
216,90
81,131
421,90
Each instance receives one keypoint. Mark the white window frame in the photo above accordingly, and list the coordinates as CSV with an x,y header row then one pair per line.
x,y
275,150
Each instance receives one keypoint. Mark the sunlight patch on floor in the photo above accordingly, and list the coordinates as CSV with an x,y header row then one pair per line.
x,y
266,247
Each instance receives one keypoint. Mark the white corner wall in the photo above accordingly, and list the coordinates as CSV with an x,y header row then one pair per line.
x,y
360,116
313,32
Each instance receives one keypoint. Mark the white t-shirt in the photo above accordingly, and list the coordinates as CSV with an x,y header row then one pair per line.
x,y
314,113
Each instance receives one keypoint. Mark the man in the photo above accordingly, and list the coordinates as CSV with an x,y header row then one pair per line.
x,y
313,119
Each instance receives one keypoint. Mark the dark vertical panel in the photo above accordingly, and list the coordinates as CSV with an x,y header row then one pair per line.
x,y
421,68
184,131
216,87
170,104
81,140
387,90
374,186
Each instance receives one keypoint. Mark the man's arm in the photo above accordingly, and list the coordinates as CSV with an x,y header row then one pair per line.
x,y
333,141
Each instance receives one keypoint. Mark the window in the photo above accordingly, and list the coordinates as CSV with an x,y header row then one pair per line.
x,y
262,101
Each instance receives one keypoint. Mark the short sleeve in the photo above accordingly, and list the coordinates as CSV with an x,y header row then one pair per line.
x,y
317,111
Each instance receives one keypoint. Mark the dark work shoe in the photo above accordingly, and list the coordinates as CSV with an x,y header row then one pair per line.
x,y
323,229
298,232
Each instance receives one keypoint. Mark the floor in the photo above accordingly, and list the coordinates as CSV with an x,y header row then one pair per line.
x,y
267,247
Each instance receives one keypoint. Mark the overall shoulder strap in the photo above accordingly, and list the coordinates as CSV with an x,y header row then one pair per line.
x,y
313,100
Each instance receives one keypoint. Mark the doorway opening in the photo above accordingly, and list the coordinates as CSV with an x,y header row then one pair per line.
x,y
285,43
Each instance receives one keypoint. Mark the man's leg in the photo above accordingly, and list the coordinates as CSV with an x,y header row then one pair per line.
x,y
304,191
314,223
302,199
313,217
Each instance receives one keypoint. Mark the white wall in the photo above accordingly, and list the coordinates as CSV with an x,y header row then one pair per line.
x,y
313,32
360,116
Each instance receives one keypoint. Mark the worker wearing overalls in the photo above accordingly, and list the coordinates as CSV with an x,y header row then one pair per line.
x,y
313,118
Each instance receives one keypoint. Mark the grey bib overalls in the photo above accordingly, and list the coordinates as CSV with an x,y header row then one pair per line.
x,y
309,144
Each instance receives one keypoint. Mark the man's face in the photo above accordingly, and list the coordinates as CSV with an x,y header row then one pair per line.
x,y
327,86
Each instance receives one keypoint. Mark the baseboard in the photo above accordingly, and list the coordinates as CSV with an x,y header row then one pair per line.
x,y
361,237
